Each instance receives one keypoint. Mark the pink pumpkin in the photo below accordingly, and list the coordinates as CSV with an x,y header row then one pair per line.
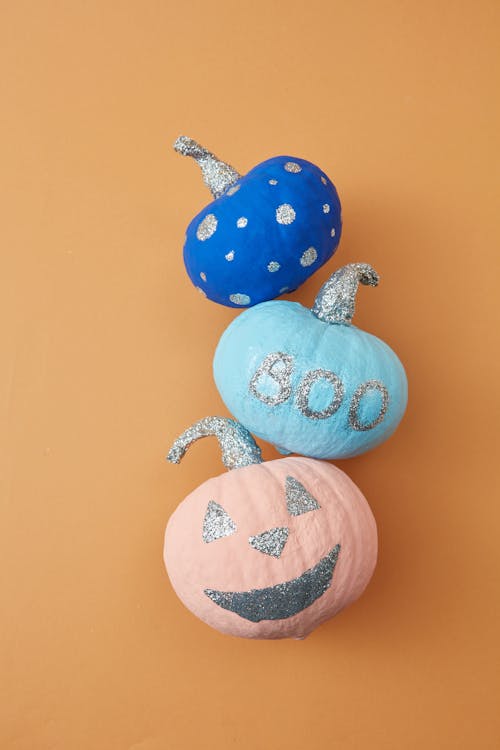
x,y
268,550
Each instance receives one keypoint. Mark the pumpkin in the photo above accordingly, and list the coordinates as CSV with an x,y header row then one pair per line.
x,y
265,233
267,550
309,381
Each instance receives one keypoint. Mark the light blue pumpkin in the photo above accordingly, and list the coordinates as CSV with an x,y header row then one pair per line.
x,y
265,233
309,381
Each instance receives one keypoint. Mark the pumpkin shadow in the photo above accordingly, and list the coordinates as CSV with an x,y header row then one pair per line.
x,y
379,230
415,591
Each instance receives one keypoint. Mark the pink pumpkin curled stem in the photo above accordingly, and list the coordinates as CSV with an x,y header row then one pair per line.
x,y
237,445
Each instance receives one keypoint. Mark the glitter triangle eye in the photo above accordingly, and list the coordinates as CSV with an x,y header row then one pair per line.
x,y
217,523
298,499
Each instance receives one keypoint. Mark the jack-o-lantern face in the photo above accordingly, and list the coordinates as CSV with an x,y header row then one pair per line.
x,y
283,599
271,550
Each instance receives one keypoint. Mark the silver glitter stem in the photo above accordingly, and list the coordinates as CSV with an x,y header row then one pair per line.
x,y
217,175
336,300
237,445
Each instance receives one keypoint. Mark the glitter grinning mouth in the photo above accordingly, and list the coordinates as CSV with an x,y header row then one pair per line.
x,y
283,600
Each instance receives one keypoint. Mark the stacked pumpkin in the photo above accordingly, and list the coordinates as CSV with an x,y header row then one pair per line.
x,y
271,550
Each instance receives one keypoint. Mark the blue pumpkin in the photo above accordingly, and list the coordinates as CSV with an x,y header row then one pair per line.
x,y
309,381
265,233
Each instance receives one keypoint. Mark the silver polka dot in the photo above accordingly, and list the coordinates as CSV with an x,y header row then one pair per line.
x,y
203,276
239,299
285,214
242,222
273,182
229,255
332,233
200,290
323,180
283,289
207,227
292,166
308,257
273,266
234,189
326,208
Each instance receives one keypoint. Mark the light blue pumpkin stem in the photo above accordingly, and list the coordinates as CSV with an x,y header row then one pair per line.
x,y
336,300
237,445
217,175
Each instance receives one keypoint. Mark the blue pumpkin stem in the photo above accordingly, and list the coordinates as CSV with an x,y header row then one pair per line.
x,y
237,445
336,300
217,175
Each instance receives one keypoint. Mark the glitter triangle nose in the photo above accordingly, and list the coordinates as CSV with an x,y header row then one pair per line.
x,y
271,542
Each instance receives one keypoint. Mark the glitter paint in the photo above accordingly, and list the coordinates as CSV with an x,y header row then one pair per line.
x,y
237,445
304,390
239,299
217,523
292,166
206,227
308,257
270,542
335,302
217,175
283,600
370,385
273,266
285,214
298,499
278,366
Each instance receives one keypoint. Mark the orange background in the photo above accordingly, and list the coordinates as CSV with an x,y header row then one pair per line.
x,y
107,354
